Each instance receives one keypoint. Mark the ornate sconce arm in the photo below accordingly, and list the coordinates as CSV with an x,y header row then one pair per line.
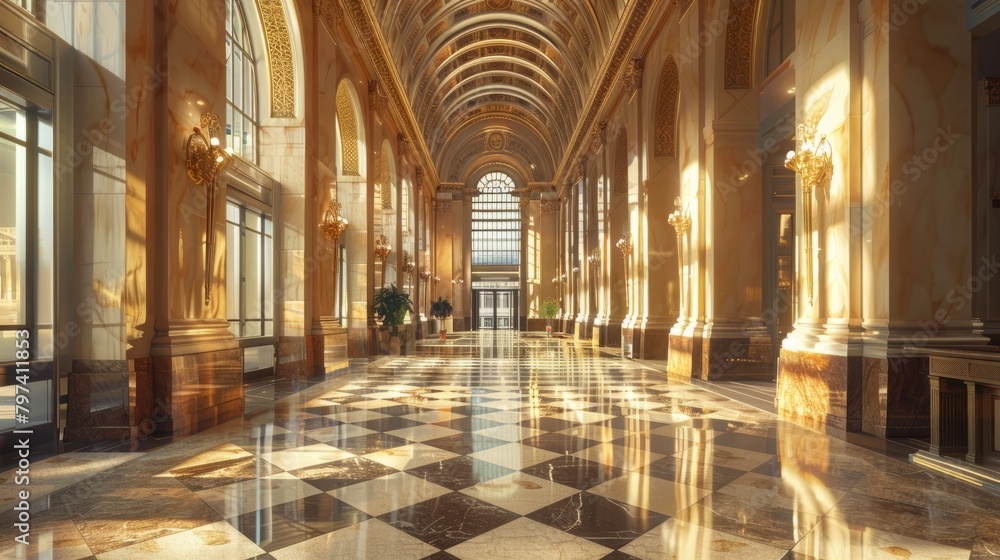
x,y
206,160
813,162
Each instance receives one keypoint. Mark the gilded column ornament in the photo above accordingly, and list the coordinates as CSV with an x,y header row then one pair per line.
x,y
625,246
993,92
680,219
378,101
404,142
581,167
206,160
600,137
329,12
550,205
813,162
418,179
633,76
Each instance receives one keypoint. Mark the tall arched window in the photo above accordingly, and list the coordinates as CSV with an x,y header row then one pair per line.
x,y
780,34
496,222
242,120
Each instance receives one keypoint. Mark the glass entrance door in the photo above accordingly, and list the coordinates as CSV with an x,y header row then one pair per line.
x,y
28,399
495,309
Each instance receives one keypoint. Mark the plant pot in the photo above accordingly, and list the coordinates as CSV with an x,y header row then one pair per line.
x,y
395,346
443,334
548,328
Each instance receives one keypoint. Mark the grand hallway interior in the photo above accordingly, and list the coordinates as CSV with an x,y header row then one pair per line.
x,y
501,445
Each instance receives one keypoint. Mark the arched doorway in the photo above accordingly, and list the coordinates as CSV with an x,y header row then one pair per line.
x,y
496,253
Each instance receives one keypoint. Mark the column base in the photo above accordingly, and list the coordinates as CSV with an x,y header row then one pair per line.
x,y
611,332
328,352
292,360
198,391
656,340
684,357
109,400
737,358
817,389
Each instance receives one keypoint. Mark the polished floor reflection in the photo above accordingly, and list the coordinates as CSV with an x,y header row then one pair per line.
x,y
498,446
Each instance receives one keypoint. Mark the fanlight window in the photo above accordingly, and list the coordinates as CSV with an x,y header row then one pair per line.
x,y
496,223
242,120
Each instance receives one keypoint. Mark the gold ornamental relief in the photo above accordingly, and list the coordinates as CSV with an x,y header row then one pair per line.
x,y
498,4
279,58
496,141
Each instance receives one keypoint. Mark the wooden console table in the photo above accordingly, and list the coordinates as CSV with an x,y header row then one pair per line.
x,y
965,404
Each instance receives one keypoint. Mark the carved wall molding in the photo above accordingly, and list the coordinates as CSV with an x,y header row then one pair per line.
x,y
739,44
993,92
373,45
627,32
330,13
279,58
581,167
665,139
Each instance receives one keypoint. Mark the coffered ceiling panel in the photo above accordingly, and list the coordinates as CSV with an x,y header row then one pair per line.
x,y
502,80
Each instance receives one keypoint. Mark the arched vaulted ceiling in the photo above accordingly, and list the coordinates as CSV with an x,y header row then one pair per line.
x,y
498,80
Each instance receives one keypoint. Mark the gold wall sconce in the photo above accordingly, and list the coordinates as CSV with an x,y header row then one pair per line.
x,y
680,219
408,265
206,160
382,250
594,259
437,281
625,246
813,162
334,224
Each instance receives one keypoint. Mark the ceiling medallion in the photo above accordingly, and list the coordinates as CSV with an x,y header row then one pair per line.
x,y
498,4
496,141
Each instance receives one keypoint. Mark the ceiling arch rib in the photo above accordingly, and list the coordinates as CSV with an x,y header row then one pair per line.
x,y
496,96
471,68
459,95
542,161
576,33
515,67
493,120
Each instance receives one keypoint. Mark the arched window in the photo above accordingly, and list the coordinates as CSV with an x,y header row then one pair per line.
x,y
496,222
780,34
242,120
665,144
350,159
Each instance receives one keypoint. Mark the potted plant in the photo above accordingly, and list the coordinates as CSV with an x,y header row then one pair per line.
x,y
549,309
441,310
391,306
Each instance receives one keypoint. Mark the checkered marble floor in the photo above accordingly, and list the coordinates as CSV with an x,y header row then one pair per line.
x,y
510,448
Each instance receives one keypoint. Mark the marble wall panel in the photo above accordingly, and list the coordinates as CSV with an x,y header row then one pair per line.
x,y
198,390
930,147
820,389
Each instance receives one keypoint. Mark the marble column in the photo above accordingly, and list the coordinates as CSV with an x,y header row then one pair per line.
x,y
192,345
919,275
735,341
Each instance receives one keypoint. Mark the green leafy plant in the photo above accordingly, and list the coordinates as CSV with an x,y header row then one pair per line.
x,y
441,309
549,309
390,307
